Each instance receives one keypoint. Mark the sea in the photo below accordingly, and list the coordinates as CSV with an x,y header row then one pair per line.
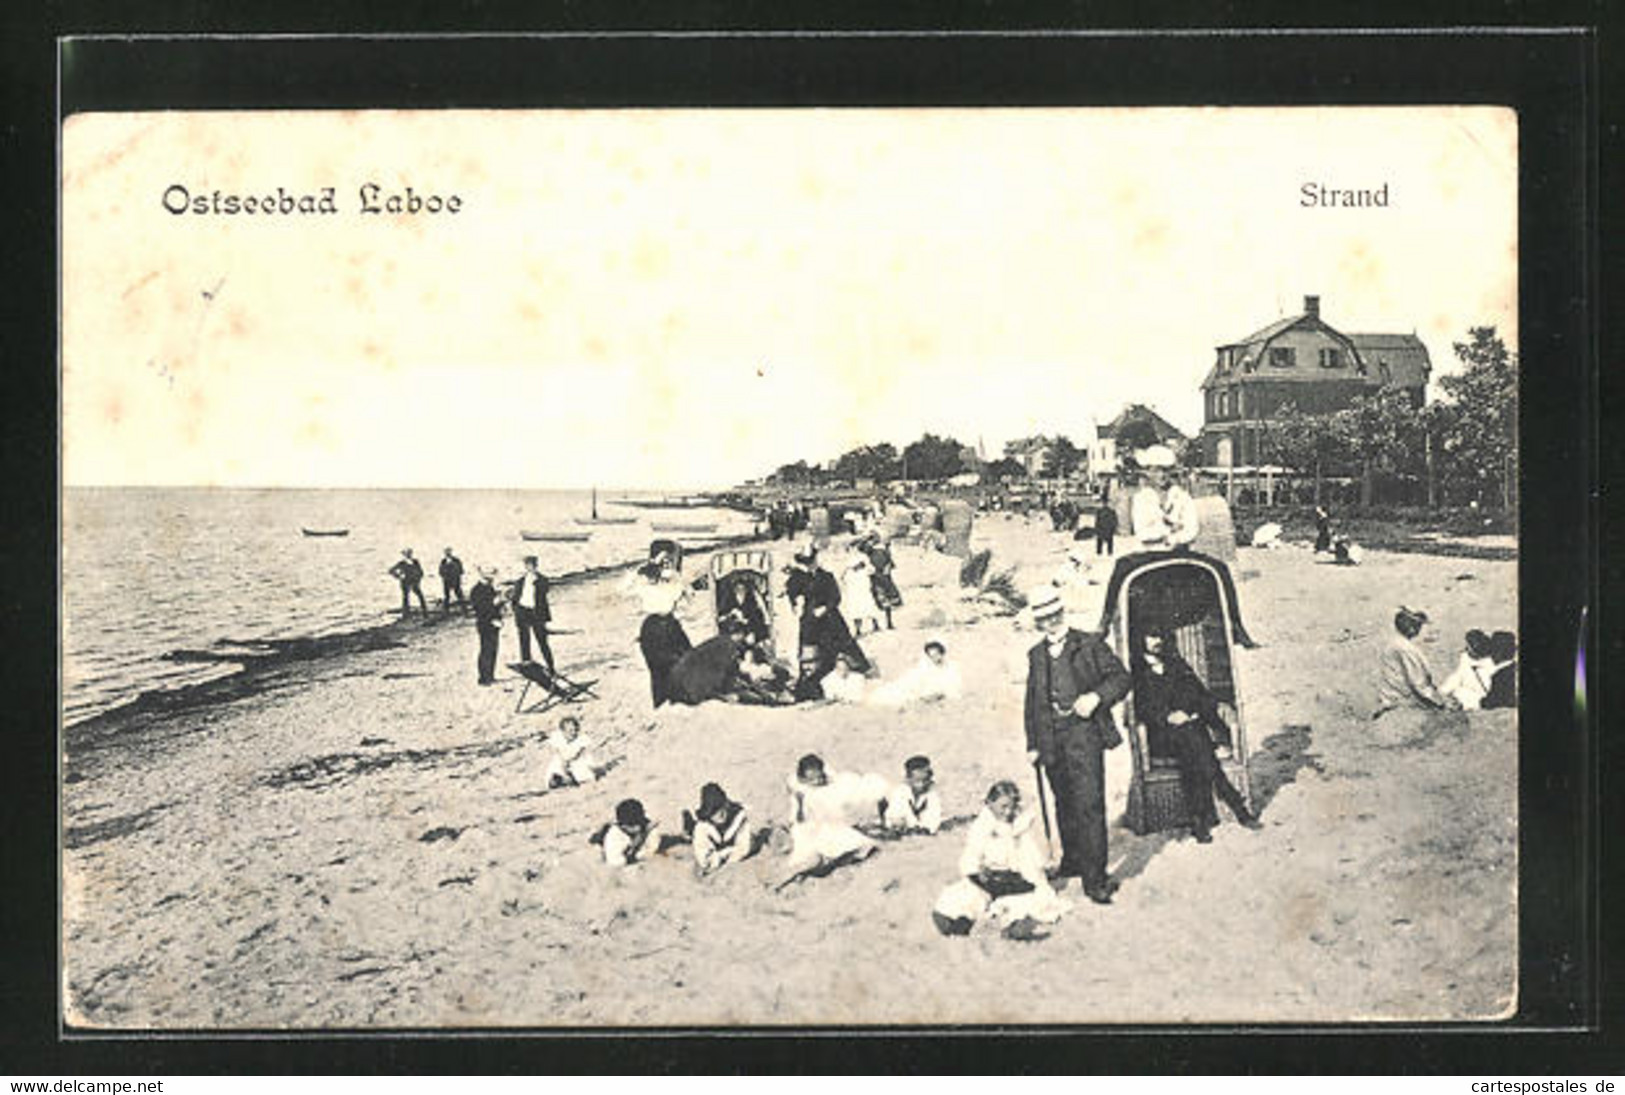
x,y
152,577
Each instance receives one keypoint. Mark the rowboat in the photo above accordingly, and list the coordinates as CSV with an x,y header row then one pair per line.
x,y
683,527
325,531
606,520
555,537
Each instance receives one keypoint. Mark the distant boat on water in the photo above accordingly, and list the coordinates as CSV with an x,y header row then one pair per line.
x,y
682,502
606,520
555,537
683,527
325,531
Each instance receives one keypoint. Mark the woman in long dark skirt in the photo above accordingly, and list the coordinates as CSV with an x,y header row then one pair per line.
x,y
815,597
881,582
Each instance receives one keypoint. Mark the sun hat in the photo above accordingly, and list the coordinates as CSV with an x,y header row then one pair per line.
x,y
1155,456
1045,601
712,799
629,813
916,763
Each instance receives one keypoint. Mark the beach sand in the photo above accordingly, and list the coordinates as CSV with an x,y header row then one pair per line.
x,y
365,842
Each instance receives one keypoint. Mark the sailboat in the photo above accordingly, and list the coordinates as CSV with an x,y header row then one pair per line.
x,y
597,520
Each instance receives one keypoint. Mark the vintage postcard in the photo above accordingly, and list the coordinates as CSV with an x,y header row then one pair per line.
x,y
700,567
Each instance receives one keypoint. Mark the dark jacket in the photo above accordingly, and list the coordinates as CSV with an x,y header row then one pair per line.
x,y
409,572
487,608
1106,521
451,569
542,612
1097,670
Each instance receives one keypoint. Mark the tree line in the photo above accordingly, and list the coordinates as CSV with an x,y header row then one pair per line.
x,y
1463,447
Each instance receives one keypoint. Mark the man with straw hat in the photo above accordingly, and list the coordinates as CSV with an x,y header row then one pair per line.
x,y
1073,681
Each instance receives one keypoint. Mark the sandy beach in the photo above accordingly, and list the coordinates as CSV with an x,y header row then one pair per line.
x,y
366,842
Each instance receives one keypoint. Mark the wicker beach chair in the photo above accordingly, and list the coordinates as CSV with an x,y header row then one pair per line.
x,y
755,569
556,687
1185,598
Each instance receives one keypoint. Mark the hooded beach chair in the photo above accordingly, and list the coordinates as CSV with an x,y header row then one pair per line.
x,y
557,688
1183,597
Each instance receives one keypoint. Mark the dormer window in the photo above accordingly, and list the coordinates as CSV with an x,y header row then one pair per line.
x,y
1283,357
1331,358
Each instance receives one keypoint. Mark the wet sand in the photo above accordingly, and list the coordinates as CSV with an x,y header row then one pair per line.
x,y
366,842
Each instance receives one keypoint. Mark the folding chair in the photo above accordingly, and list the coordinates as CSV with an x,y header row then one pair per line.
x,y
559,689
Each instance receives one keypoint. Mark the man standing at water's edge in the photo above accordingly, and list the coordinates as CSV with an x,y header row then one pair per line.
x,y
409,572
487,621
530,612
451,579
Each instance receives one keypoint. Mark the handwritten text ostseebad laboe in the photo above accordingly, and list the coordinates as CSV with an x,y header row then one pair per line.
x,y
372,199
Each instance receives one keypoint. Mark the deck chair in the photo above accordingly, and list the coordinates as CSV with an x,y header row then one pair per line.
x,y
557,688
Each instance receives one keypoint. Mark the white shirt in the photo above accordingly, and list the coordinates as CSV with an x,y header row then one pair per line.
x,y
998,845
1183,522
925,681
618,848
904,811
844,689
527,590
1146,518
714,848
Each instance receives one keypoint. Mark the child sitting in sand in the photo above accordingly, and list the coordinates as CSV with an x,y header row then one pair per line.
x,y
1470,681
1001,869
821,809
626,840
841,685
914,806
720,834
572,763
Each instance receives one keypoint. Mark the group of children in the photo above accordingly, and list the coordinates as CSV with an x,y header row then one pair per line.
x,y
1001,871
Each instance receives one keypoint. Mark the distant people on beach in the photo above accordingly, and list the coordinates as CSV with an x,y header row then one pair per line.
x,y
882,580
1323,529
409,573
858,594
482,597
1001,870
531,613
1183,721
815,598
1073,680
451,579
1105,529
915,805
627,839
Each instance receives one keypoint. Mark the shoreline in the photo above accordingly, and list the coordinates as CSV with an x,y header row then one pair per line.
x,y
254,666
369,843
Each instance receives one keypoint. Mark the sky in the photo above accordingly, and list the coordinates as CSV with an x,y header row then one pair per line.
x,y
653,298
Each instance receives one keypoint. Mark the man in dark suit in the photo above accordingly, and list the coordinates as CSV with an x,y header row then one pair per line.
x,y
451,579
487,621
530,611
1073,680
409,572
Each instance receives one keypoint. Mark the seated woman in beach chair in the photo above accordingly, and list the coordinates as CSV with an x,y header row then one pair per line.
x,y
1184,714
742,608
1182,720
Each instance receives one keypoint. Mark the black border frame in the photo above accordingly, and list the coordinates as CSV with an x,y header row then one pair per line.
x,y
1551,76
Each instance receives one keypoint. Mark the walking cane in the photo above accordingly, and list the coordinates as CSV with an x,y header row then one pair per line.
x,y
1043,806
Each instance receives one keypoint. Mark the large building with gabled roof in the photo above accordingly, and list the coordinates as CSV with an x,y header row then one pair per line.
x,y
1304,361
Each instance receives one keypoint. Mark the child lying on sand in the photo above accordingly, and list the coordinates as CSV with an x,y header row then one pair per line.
x,y
914,806
821,809
1001,868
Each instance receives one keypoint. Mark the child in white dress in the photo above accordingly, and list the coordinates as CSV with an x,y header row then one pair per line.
x,y
572,762
821,810
1001,870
